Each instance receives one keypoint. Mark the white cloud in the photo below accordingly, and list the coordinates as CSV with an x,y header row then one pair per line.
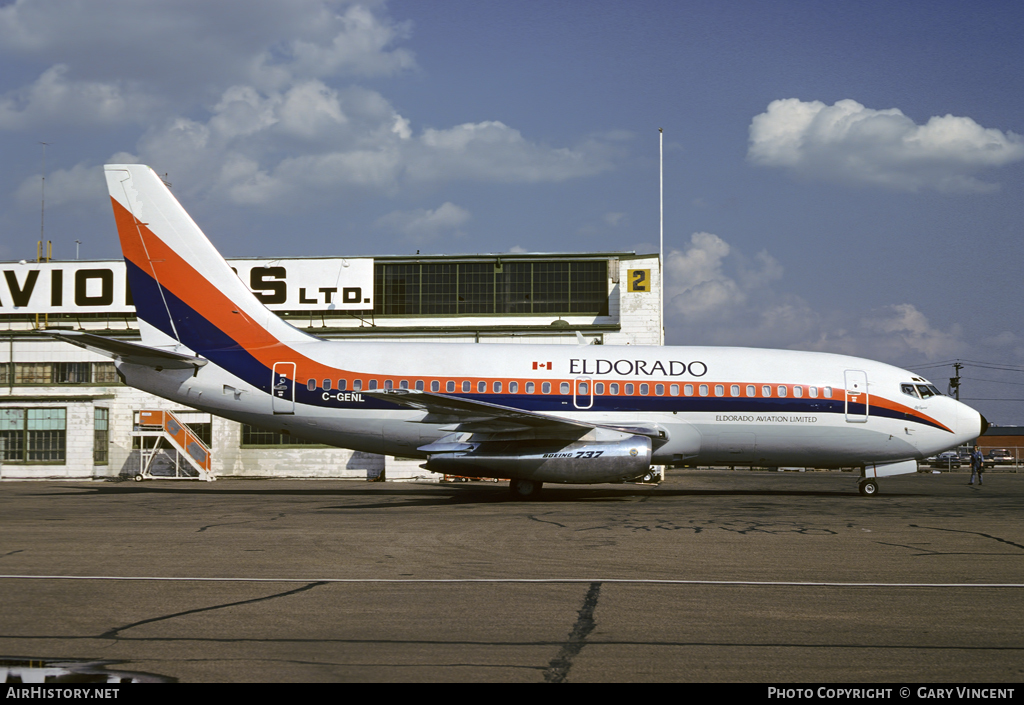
x,y
81,183
53,98
422,225
852,143
717,296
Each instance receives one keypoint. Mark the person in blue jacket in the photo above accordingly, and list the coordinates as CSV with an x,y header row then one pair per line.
x,y
977,464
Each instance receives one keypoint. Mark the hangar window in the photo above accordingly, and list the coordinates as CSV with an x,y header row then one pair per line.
x,y
530,387
513,387
751,390
629,389
100,436
545,388
252,436
104,373
33,435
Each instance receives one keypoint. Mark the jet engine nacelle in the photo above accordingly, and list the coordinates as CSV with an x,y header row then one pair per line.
x,y
544,460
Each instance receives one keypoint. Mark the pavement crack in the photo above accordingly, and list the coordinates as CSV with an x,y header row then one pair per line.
x,y
558,669
115,632
976,533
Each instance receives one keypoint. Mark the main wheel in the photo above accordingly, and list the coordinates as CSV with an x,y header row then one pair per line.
x,y
524,489
868,488
138,477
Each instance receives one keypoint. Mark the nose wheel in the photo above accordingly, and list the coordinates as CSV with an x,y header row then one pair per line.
x,y
524,489
868,488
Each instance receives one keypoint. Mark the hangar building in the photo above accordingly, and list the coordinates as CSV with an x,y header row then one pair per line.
x,y
65,414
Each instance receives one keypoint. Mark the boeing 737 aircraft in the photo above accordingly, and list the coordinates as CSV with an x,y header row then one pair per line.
x,y
528,413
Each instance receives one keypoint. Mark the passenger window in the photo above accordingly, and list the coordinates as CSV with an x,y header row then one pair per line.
x,y
545,388
467,385
798,391
497,387
828,392
450,387
751,390
513,387
583,388
327,385
388,384
530,387
629,389
782,390
599,388
645,389
341,385
404,384
673,389
435,385
688,390
766,391
734,390
311,384
814,392
719,390
613,388
373,384
357,384
659,389
419,385
481,387
563,388
703,389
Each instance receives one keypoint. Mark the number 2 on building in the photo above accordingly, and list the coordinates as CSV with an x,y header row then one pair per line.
x,y
639,279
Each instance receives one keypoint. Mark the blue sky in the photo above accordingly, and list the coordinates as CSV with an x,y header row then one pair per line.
x,y
839,176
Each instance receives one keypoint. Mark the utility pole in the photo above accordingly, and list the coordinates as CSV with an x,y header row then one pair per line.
x,y
954,382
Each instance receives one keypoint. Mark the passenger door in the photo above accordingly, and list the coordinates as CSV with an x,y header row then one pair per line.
x,y
857,402
283,388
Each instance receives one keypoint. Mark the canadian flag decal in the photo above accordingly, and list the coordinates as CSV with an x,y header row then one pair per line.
x,y
542,365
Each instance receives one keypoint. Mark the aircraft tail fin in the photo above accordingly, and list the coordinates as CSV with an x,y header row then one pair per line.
x,y
185,293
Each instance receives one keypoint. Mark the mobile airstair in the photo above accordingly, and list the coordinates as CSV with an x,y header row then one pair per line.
x,y
169,449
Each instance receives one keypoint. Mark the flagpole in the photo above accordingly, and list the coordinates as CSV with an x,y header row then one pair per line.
x,y
661,233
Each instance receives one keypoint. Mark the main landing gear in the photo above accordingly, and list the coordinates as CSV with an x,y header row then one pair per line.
x,y
524,489
868,488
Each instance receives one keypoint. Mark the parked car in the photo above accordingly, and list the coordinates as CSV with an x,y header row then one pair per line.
x,y
1000,456
949,459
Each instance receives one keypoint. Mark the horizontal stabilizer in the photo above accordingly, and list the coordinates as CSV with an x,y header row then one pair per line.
x,y
131,353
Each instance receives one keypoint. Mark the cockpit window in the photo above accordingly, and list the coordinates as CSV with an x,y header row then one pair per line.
x,y
928,390
908,389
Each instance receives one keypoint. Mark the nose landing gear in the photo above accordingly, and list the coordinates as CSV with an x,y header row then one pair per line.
x,y
868,488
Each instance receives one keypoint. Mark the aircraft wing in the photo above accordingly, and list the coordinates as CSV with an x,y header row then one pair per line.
x,y
484,417
132,353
